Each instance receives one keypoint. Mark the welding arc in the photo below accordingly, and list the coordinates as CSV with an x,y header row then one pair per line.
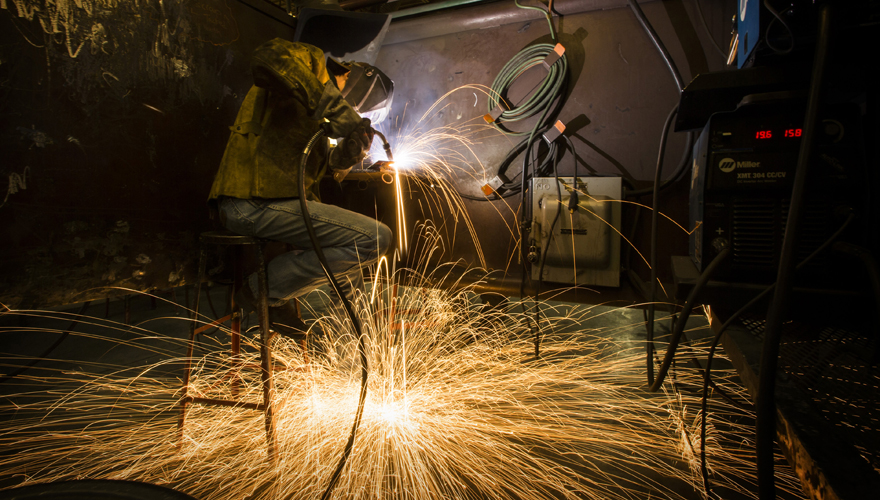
x,y
362,348
51,348
733,317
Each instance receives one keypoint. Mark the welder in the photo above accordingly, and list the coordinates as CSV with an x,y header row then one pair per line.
x,y
296,92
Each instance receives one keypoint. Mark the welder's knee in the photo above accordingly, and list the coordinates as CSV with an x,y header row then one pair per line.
x,y
384,239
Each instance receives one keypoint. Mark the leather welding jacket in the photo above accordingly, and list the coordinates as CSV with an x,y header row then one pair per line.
x,y
276,120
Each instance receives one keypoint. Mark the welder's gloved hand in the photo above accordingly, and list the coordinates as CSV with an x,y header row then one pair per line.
x,y
356,144
341,117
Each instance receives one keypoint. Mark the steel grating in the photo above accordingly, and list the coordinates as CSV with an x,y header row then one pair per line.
x,y
833,366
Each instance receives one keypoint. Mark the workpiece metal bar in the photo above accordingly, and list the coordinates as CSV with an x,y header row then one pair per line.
x,y
266,355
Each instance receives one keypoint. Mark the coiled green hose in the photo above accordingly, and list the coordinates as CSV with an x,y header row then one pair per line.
x,y
540,100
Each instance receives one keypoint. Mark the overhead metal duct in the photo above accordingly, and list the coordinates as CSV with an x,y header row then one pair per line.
x,y
480,16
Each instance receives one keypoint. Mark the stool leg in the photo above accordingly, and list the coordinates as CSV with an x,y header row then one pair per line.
x,y
184,400
266,356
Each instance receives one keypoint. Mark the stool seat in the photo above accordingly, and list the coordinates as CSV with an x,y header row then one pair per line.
x,y
226,237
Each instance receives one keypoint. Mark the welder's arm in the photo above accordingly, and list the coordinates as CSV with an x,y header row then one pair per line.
x,y
342,120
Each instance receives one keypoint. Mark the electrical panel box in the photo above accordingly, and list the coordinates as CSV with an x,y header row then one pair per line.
x,y
580,246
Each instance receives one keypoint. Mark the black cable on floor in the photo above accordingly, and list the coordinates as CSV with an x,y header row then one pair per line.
x,y
675,335
51,348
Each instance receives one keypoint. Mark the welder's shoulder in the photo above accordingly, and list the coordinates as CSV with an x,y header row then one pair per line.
x,y
284,53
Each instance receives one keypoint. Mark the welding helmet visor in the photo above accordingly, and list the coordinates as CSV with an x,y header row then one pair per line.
x,y
368,90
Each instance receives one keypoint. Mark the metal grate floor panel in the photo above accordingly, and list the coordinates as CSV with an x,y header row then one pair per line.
x,y
833,366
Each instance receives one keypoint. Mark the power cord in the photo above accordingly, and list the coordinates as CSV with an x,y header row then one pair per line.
x,y
678,328
778,17
766,400
652,286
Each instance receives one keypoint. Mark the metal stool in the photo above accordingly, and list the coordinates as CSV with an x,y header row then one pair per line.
x,y
228,238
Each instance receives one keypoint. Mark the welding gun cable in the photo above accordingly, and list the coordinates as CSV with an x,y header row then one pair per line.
x,y
707,371
522,222
652,285
64,335
765,431
362,348
646,25
675,335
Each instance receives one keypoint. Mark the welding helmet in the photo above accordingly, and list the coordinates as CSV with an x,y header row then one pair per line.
x,y
367,89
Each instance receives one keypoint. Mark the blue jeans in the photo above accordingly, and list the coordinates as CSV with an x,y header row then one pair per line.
x,y
349,240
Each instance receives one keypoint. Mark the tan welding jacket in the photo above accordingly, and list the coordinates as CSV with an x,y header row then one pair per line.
x,y
274,124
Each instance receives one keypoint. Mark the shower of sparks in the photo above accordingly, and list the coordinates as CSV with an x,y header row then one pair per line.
x,y
436,156
457,408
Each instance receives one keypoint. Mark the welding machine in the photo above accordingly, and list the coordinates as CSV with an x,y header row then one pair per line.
x,y
743,171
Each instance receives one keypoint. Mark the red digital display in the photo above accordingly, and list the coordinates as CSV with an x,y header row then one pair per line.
x,y
789,132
